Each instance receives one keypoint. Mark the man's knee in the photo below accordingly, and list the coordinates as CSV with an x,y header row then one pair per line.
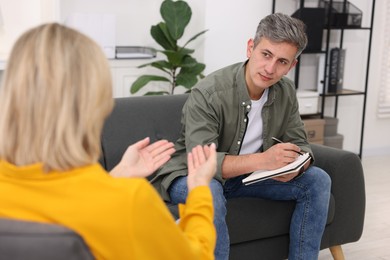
x,y
324,178
219,199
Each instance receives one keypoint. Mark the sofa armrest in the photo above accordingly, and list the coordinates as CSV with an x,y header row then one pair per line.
x,y
348,189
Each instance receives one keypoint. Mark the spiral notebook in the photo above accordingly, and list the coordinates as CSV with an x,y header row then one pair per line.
x,y
295,166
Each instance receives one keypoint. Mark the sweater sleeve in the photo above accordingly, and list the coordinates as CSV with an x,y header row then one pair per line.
x,y
196,218
157,236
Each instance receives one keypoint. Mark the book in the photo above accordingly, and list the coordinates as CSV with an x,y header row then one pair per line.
x,y
134,52
294,167
336,70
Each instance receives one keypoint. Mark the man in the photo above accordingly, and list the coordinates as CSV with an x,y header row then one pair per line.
x,y
240,108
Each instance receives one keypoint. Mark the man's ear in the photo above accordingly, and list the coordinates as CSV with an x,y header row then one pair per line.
x,y
249,48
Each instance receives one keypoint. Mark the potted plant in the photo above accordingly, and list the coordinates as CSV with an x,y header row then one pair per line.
x,y
180,67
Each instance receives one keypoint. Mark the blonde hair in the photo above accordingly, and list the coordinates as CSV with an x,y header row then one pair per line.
x,y
56,93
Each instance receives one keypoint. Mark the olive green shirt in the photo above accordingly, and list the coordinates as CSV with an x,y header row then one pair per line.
x,y
216,112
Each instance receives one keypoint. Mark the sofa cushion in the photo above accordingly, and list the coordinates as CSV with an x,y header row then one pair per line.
x,y
253,218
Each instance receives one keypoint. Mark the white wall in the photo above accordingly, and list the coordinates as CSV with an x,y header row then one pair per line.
x,y
134,19
231,23
19,15
376,134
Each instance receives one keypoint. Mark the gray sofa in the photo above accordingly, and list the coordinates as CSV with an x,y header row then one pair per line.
x,y
258,228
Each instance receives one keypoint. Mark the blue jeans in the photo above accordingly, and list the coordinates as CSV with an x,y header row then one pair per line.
x,y
311,191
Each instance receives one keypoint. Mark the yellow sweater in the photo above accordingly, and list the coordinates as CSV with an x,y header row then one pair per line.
x,y
119,218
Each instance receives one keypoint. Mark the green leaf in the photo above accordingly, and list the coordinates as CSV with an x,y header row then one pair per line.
x,y
143,80
196,69
164,29
194,37
186,80
177,15
188,76
161,65
144,65
182,69
176,58
181,51
160,35
188,61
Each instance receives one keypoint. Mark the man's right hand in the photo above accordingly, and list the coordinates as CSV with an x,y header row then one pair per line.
x,y
280,155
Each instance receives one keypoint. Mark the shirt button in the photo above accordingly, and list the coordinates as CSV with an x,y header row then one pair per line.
x,y
238,142
245,120
248,106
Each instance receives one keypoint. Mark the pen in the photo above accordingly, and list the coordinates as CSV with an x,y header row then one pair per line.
x,y
278,141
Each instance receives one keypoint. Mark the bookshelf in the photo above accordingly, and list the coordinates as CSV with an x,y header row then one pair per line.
x,y
334,36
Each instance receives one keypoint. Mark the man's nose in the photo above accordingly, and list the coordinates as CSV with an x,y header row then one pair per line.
x,y
271,67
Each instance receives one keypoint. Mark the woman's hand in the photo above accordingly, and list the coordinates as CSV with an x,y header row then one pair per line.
x,y
202,165
142,158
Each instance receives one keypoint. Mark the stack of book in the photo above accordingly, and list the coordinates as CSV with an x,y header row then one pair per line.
x,y
336,70
134,52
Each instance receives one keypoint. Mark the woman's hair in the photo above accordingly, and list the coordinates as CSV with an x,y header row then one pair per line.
x,y
279,27
55,95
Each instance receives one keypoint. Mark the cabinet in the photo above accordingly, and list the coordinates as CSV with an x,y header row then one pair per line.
x,y
356,41
125,71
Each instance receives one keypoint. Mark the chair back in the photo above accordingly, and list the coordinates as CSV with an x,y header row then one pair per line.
x,y
24,240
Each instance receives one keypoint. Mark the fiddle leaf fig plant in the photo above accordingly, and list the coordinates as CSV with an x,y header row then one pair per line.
x,y
179,68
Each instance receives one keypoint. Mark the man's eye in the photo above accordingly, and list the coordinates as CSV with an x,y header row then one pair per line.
x,y
265,54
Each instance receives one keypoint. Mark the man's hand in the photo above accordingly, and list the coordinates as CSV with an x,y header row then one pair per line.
x,y
142,158
202,165
280,155
285,153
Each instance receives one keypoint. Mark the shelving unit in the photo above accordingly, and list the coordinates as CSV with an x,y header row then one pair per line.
x,y
325,96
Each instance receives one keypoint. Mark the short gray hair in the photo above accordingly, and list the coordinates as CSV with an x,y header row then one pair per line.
x,y
280,27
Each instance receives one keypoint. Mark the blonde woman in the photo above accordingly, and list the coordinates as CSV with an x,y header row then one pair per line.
x,y
55,95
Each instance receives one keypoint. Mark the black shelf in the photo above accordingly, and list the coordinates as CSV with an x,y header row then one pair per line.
x,y
348,28
326,39
343,92
313,52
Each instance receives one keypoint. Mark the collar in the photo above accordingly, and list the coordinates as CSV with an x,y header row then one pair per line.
x,y
242,89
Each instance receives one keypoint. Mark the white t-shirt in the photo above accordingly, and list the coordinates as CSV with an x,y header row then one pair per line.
x,y
253,136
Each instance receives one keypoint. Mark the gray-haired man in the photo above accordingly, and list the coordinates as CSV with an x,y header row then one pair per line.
x,y
240,108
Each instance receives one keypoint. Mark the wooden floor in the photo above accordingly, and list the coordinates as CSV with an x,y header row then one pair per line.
x,y
375,241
